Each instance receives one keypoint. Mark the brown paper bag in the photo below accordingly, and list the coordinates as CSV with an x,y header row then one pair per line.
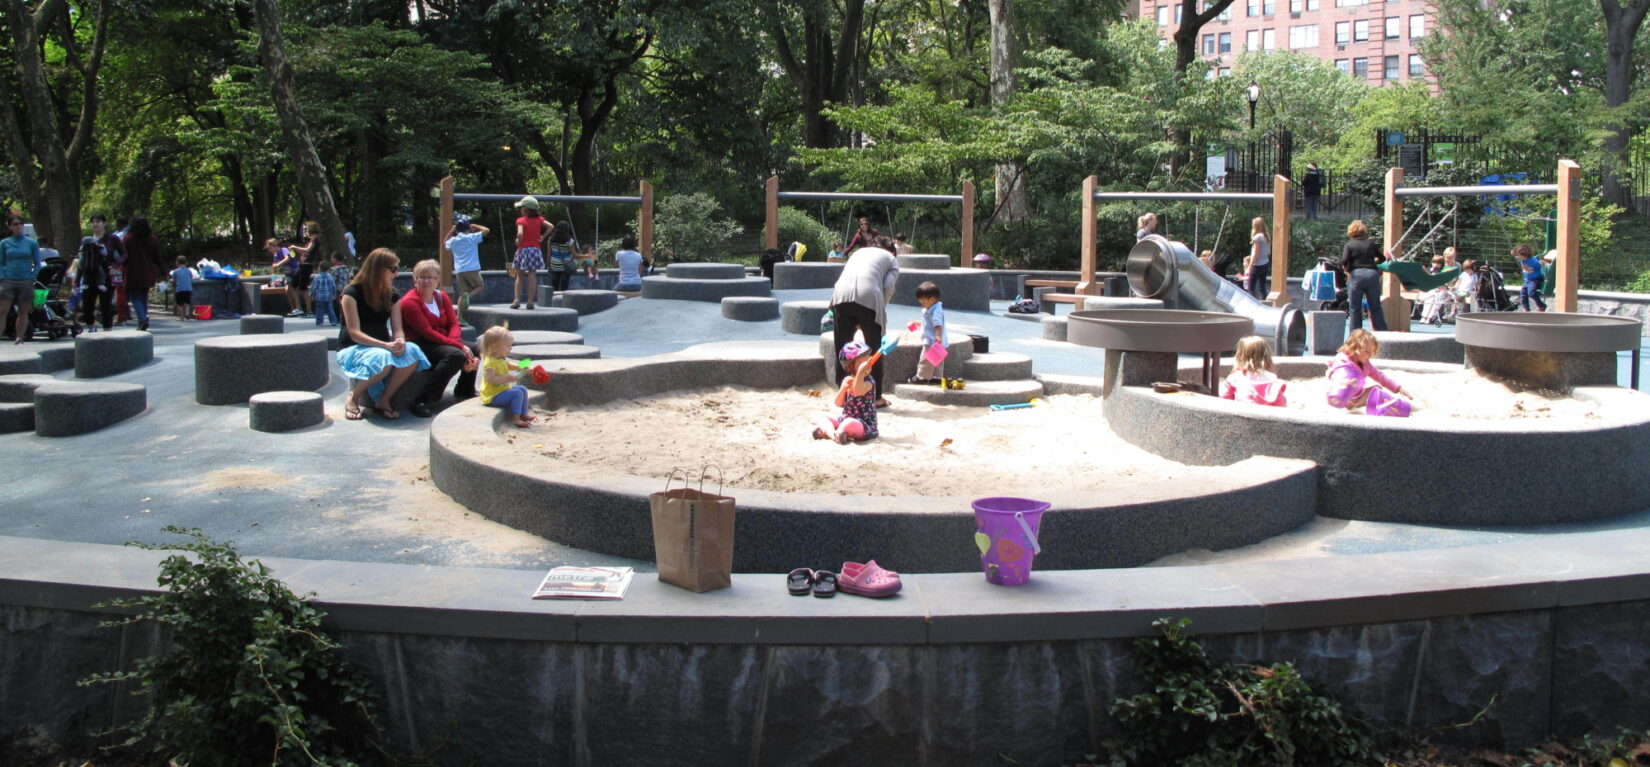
x,y
693,536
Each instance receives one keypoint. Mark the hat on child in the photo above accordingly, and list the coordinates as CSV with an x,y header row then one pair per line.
x,y
852,350
528,202
461,222
981,258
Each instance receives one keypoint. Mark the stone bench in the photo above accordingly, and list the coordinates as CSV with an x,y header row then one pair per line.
x,y
802,317
960,289
706,271
924,261
230,369
67,408
277,411
1054,327
1001,366
329,335
255,324
1420,347
581,301
806,275
17,401
533,337
97,355
703,289
55,358
537,318
20,360
750,308
543,352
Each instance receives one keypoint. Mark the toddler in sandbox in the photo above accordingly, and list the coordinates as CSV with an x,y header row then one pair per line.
x,y
1355,383
857,397
498,382
933,332
1253,378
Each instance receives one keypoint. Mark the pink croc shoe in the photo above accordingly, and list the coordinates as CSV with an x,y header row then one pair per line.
x,y
868,580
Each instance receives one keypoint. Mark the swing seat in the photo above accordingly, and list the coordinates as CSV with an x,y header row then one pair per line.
x,y
1414,276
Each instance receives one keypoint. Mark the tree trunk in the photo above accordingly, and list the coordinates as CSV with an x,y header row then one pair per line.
x,y
312,177
1621,26
824,72
1010,183
1185,52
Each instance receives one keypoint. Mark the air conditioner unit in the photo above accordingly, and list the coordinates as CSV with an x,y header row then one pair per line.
x,y
1294,14
1340,48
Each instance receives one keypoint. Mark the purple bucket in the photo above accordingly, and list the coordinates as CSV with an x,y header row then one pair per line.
x,y
1007,537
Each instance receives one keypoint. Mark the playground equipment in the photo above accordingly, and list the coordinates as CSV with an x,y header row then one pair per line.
x,y
1144,345
1566,270
966,199
644,232
1162,269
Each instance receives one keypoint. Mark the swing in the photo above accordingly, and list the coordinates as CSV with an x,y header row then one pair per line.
x,y
1414,276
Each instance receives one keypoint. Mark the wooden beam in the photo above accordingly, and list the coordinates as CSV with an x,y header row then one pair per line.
x,y
772,228
1086,281
1567,272
967,225
441,228
1281,193
1393,304
645,229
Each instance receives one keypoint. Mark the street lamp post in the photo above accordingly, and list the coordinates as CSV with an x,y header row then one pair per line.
x,y
1253,94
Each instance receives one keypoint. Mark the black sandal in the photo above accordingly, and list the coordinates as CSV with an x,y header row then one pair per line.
x,y
799,582
824,584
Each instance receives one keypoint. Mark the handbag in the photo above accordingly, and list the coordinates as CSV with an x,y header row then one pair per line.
x,y
693,535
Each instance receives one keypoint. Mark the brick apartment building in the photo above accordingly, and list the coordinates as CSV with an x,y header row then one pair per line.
x,y
1374,41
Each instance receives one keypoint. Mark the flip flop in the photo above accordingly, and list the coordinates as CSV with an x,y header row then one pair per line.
x,y
824,584
353,413
387,413
799,582
869,580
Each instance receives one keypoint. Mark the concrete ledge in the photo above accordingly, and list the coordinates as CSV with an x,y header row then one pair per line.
x,y
1120,302
278,411
16,417
978,393
924,261
705,271
1419,347
1389,469
805,275
327,334
698,289
19,387
537,318
1054,383
901,363
750,308
112,352
1054,327
802,317
1001,366
230,369
542,352
581,301
966,290
56,358
67,408
259,324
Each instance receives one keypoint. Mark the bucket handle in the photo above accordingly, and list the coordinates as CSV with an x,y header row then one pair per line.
x,y
1036,548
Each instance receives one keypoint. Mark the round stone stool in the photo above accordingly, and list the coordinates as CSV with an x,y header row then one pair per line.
x,y
705,271
254,324
581,301
277,411
805,275
67,408
230,369
537,318
543,352
750,308
924,261
802,317
111,352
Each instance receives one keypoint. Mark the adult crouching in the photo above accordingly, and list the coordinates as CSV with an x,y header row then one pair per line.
x,y
372,346
431,323
860,301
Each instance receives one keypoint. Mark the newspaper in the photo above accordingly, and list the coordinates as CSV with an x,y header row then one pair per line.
x,y
585,583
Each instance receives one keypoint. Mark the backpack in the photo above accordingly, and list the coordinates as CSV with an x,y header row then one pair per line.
x,y
827,323
1024,306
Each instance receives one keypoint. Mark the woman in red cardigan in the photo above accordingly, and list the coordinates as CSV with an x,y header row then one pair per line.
x,y
431,322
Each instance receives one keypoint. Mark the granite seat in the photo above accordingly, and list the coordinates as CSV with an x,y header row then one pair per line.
x,y
537,318
230,369
67,408
277,411
97,355
254,324
750,308
581,301
802,317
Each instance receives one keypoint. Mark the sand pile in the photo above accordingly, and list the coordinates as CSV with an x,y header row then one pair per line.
x,y
1462,394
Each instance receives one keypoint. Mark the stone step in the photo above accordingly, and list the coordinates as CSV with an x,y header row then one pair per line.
x,y
1000,366
978,393
16,417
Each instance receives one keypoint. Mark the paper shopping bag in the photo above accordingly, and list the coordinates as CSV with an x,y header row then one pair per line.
x,y
693,537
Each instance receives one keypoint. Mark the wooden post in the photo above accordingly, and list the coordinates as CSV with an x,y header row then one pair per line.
x,y
967,225
773,213
1567,272
645,229
1085,282
441,228
1393,303
1281,193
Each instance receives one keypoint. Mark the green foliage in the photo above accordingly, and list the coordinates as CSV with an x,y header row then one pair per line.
x,y
250,677
1402,107
689,227
1300,93
796,226
1199,712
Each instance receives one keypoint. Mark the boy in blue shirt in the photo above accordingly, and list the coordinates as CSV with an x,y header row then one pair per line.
x,y
1533,278
933,332
464,240
183,289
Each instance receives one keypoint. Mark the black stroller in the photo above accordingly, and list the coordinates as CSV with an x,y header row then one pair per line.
x,y
51,315
1492,292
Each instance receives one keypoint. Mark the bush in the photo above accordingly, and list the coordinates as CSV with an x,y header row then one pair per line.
x,y
687,227
250,677
796,226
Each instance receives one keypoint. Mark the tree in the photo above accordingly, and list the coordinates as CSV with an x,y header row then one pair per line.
x,y
1185,52
1010,183
283,91
1621,27
822,72
47,166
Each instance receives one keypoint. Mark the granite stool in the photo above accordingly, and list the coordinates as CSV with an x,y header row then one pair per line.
x,y
277,411
55,358
254,324
802,317
111,352
537,318
750,308
230,369
67,408
581,301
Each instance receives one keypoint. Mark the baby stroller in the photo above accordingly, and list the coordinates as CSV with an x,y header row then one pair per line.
x,y
1325,284
50,312
1492,292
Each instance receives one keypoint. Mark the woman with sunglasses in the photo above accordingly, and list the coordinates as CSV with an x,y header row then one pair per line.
x,y
19,263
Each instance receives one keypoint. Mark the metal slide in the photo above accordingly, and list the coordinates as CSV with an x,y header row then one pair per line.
x,y
1166,270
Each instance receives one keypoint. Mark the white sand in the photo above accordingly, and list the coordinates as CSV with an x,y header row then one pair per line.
x,y
1458,395
763,440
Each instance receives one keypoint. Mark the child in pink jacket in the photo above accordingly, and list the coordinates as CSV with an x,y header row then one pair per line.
x,y
1254,378
1355,383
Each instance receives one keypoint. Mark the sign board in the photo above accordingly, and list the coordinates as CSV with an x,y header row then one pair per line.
x,y
1394,138
1214,174
1412,158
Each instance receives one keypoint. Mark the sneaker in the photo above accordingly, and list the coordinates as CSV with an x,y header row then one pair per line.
x,y
923,381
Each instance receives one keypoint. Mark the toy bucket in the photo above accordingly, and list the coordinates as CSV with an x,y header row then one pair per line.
x,y
1007,537
935,355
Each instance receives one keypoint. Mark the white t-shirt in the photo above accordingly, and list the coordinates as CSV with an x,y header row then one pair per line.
x,y
1263,255
630,267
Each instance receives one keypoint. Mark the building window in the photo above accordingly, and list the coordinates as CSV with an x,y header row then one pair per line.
x,y
1416,68
1417,26
1208,45
1360,30
1252,40
1311,5
1254,7
1225,71
1225,15
1394,26
1179,11
1391,67
1268,7
1295,6
1345,65
1350,3
1303,36
1343,32
1226,42
1163,15
1269,39
1360,69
